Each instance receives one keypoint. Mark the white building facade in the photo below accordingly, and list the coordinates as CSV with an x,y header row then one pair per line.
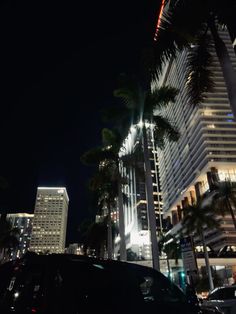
x,y
135,209
50,220
206,149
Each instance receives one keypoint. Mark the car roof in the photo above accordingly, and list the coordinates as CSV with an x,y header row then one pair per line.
x,y
63,258
223,288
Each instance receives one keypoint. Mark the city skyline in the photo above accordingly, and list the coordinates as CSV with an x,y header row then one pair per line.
x,y
49,103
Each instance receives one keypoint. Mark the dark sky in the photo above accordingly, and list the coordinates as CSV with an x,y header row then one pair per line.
x,y
58,68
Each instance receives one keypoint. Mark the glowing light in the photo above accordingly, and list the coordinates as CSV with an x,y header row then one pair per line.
x,y
159,19
140,124
132,129
50,188
234,43
149,125
16,295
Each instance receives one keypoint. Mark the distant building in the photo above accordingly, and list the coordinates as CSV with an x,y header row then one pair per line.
x,y
23,222
74,248
50,220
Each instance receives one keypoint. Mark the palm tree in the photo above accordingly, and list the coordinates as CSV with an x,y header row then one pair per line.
x,y
197,217
95,237
107,193
223,198
8,237
186,24
108,157
170,245
142,104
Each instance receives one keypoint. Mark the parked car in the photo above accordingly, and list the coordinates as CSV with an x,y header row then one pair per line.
x,y
224,298
70,284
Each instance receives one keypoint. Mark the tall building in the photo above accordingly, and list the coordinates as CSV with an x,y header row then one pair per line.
x,y
50,220
23,223
135,210
206,149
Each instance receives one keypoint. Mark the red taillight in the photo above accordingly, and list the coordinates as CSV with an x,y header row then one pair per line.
x,y
33,310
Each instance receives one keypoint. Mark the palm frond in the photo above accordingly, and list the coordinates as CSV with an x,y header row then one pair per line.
x,y
160,98
197,216
96,155
130,96
224,11
199,77
112,139
173,35
164,129
112,114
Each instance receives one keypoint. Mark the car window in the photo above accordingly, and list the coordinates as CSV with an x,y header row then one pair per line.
x,y
155,287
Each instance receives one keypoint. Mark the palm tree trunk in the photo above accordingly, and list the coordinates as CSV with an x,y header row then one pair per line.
x,y
123,255
226,65
168,266
109,234
1,255
230,209
150,202
208,267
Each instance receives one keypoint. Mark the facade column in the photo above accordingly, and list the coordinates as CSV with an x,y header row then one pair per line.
x,y
212,178
179,212
192,197
198,190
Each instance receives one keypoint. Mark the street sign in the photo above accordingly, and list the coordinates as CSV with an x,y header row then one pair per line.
x,y
188,256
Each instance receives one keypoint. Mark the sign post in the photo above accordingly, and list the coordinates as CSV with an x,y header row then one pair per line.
x,y
189,259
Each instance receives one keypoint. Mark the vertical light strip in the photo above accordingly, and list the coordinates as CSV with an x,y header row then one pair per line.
x,y
159,19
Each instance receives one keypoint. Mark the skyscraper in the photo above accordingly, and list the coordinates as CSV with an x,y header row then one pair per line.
x,y
50,220
206,149
135,209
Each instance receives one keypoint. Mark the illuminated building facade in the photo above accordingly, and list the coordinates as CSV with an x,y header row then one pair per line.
x,y
74,248
135,210
23,223
206,150
50,220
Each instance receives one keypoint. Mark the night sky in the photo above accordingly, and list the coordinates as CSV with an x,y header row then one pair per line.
x,y
58,67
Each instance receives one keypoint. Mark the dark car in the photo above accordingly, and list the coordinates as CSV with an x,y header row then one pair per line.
x,y
224,298
69,284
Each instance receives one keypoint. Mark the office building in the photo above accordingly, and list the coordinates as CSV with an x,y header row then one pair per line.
x,y
50,220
